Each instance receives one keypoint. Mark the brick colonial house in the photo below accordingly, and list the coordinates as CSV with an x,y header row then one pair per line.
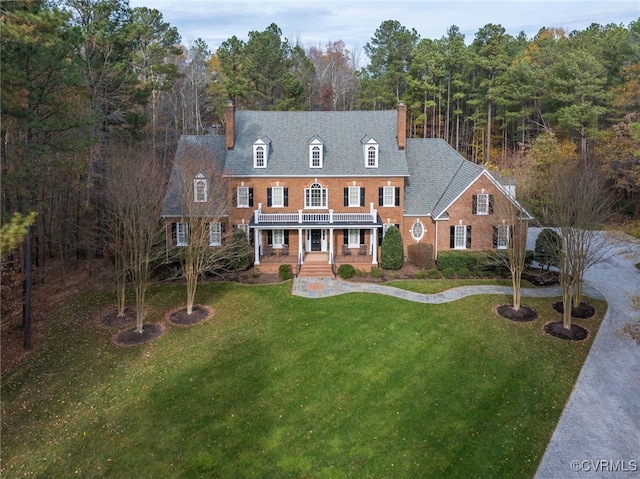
x,y
327,185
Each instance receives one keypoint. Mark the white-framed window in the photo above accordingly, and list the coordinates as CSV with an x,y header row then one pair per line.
x,y
389,196
277,196
501,238
460,237
315,196
372,156
417,230
260,163
260,153
354,196
370,149
243,197
354,238
245,228
200,189
482,204
182,234
215,234
315,153
277,238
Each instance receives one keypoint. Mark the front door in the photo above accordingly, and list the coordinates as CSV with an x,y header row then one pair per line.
x,y
316,240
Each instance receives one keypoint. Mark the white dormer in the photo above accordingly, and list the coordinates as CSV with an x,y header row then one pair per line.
x,y
200,189
261,152
370,149
316,152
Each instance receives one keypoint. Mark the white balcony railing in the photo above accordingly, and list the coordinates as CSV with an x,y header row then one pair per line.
x,y
315,218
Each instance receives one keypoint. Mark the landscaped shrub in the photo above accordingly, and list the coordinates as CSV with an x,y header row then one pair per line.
x,y
240,254
421,255
346,271
548,244
433,273
421,274
448,273
463,273
462,259
360,273
624,206
477,272
377,273
284,271
391,250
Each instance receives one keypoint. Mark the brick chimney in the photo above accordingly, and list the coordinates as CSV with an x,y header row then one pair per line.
x,y
402,126
230,124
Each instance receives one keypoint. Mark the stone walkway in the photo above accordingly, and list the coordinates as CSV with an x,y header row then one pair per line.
x,y
311,287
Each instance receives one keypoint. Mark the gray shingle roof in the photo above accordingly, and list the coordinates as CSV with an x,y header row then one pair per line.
x,y
438,175
214,149
341,131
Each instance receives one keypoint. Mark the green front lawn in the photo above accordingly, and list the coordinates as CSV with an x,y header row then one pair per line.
x,y
359,385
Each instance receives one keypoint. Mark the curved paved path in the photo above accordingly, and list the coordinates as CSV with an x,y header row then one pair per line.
x,y
598,434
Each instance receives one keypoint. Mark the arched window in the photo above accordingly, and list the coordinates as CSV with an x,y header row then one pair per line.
x,y
315,196
200,189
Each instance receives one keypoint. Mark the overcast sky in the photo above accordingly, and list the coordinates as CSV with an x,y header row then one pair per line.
x,y
316,22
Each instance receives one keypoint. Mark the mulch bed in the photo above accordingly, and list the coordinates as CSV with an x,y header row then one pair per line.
x,y
522,315
110,318
130,337
583,311
541,277
179,316
557,329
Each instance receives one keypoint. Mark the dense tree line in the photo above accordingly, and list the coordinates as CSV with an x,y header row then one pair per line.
x,y
82,77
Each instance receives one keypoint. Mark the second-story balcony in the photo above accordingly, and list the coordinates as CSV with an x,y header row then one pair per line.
x,y
303,217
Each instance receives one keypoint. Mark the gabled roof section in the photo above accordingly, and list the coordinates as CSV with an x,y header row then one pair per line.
x,y
438,175
212,147
341,133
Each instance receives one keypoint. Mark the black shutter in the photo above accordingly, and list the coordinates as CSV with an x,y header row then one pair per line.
x,y
490,204
468,237
250,197
269,197
397,192
474,205
361,236
286,237
269,237
452,237
346,196
174,234
223,233
345,236
380,196
495,236
286,197
380,236
362,196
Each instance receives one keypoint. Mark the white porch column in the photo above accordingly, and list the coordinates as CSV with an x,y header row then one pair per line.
x,y
256,245
330,244
300,250
374,244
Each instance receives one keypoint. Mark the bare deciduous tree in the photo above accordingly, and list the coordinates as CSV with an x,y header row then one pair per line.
x,y
203,197
510,237
134,193
577,205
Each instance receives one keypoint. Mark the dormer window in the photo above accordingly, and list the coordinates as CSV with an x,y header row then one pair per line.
x,y
371,149
261,153
316,153
200,189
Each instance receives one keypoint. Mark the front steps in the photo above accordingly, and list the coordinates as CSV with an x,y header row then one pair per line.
x,y
316,265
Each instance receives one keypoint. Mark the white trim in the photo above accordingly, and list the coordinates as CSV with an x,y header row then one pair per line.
x,y
316,154
245,197
457,236
200,189
215,234
279,204
182,233
308,199
356,203
260,154
485,205
385,203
